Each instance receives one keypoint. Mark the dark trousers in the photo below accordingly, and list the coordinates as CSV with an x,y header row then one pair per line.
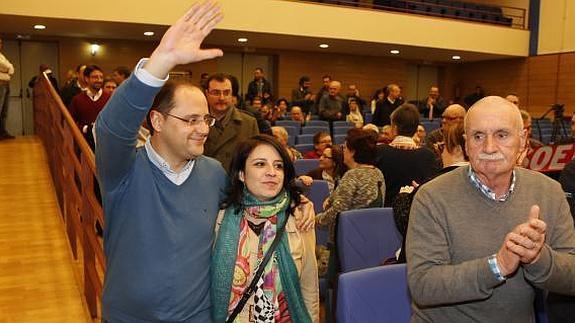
x,y
4,100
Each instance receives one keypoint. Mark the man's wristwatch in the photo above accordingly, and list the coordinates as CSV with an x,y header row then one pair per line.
x,y
492,260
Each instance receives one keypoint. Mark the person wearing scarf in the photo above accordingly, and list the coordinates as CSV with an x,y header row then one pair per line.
x,y
260,198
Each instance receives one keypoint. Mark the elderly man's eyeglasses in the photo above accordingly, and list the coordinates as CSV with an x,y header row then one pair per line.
x,y
195,120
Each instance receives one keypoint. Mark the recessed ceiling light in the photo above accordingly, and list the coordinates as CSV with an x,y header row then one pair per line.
x,y
394,51
242,40
323,45
148,33
39,27
456,57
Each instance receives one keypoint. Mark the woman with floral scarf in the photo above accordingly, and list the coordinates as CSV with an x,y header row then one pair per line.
x,y
263,203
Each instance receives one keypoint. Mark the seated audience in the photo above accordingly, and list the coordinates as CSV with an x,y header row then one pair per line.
x,y
354,115
321,140
331,168
386,135
453,114
432,106
362,186
402,162
279,111
419,136
262,205
530,143
281,135
453,152
331,106
297,115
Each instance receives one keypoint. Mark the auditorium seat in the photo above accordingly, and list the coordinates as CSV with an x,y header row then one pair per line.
x,y
341,130
304,148
303,166
304,139
318,123
377,294
312,130
339,139
366,237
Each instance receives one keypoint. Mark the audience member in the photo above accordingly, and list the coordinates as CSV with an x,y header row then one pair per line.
x,y
297,115
354,116
419,136
281,134
378,96
232,125
402,162
279,111
384,108
362,186
453,114
261,207
302,96
432,106
513,98
331,168
386,135
353,93
75,86
486,228
474,97
259,87
160,201
321,140
323,91
86,105
204,82
110,86
331,106
453,152
530,143
6,72
120,74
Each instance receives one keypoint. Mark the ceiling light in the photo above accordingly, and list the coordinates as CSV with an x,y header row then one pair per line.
x,y
39,27
242,40
456,57
394,51
148,33
323,45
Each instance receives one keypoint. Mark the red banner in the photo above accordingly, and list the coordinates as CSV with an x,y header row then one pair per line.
x,y
550,158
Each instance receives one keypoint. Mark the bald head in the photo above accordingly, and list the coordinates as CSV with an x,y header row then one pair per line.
x,y
334,88
453,114
494,106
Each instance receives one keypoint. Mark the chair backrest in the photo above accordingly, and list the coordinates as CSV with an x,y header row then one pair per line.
x,y
291,130
317,193
366,237
341,130
304,148
312,130
339,139
367,118
291,141
289,123
320,123
303,166
340,123
304,139
377,294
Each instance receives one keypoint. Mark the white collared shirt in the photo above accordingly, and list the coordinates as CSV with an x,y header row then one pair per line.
x,y
94,96
175,177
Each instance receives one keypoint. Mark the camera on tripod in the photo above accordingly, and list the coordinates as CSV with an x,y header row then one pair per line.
x,y
558,110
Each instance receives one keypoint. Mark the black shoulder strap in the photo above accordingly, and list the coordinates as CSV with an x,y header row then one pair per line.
x,y
252,287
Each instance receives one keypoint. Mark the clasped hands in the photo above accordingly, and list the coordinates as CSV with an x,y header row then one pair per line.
x,y
523,244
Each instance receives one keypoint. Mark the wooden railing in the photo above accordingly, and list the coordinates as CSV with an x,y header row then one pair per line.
x,y
73,169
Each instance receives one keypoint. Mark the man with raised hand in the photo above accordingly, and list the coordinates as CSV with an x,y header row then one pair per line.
x,y
160,201
481,238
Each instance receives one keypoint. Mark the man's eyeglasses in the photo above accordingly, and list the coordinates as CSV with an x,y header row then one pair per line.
x,y
219,93
195,120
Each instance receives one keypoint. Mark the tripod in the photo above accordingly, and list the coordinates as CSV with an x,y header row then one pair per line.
x,y
559,129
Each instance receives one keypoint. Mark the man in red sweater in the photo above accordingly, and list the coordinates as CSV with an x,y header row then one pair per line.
x,y
86,105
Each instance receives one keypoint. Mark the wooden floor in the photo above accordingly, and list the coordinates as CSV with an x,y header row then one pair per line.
x,y
37,271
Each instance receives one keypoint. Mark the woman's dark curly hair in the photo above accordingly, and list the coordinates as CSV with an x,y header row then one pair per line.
x,y
235,192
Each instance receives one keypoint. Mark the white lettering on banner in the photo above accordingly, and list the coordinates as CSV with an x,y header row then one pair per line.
x,y
558,161
550,158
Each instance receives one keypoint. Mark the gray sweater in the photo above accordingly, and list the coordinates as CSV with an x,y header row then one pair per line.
x,y
454,228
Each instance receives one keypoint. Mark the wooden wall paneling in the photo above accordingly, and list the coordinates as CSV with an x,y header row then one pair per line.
x,y
542,82
566,86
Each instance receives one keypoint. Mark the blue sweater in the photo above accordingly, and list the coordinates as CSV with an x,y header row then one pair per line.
x,y
158,236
